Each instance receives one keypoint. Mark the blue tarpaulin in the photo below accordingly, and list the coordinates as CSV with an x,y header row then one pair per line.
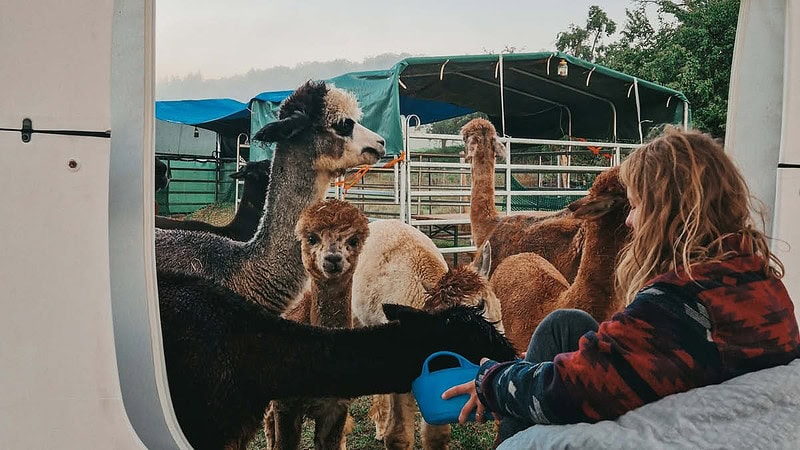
x,y
222,115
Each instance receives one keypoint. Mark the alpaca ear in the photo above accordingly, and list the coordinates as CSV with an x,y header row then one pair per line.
x,y
283,129
483,260
469,147
590,207
500,150
399,312
427,285
241,173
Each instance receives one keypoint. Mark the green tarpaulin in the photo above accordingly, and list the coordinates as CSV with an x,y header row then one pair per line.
x,y
591,101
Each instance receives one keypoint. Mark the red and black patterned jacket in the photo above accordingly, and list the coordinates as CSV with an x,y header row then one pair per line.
x,y
676,335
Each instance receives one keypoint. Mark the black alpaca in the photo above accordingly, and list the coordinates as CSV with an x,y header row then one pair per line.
x,y
228,357
244,224
162,175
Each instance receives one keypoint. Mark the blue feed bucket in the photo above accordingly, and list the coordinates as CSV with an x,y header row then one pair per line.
x,y
429,386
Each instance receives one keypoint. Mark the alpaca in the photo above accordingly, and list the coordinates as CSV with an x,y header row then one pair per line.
x,y
400,265
317,138
394,414
332,233
399,262
227,357
529,287
245,222
556,237
161,178
162,175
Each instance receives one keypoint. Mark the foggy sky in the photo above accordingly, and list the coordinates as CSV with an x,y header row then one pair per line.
x,y
221,39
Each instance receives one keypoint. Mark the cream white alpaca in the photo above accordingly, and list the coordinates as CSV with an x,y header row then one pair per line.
x,y
401,262
401,265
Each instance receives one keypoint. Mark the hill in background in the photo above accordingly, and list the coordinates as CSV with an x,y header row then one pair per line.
x,y
246,86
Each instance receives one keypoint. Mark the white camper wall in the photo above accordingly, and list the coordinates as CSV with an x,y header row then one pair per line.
x,y
787,200
763,128
59,385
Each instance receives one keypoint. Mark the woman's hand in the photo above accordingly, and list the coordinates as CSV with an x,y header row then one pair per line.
x,y
473,402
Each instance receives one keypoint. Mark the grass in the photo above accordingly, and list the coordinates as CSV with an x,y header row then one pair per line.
x,y
470,436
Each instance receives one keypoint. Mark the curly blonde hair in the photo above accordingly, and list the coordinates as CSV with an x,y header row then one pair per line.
x,y
690,196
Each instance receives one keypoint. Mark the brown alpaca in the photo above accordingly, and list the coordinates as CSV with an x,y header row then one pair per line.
x,y
555,237
394,414
529,287
332,234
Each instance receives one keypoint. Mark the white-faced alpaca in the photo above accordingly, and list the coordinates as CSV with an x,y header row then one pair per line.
x,y
332,234
244,224
555,237
317,137
227,357
529,287
400,265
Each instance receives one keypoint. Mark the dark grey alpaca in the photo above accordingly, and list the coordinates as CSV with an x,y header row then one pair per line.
x,y
228,357
245,223
317,138
162,175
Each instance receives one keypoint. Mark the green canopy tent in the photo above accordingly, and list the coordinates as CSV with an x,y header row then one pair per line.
x,y
524,94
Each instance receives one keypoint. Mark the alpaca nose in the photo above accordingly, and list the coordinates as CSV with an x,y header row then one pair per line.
x,y
332,263
382,142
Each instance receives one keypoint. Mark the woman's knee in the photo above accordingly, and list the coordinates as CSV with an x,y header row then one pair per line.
x,y
575,316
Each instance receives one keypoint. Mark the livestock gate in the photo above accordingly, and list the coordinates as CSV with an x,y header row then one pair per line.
x,y
562,120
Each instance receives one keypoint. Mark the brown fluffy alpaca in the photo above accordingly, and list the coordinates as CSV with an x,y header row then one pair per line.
x,y
332,234
555,237
529,287
394,414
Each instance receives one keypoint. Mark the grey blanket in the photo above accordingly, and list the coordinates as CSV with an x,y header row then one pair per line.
x,y
759,410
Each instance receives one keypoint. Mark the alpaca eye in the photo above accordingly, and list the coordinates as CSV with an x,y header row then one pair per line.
x,y
312,239
344,127
353,242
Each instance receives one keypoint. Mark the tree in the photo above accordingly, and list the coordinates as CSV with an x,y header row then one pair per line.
x,y
690,50
586,42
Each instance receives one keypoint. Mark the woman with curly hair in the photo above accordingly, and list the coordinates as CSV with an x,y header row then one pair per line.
x,y
705,302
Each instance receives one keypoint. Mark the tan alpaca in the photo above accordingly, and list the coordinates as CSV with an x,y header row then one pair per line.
x,y
332,235
400,265
394,414
529,287
555,237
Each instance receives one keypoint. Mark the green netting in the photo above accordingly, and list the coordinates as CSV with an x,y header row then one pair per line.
x,y
538,202
193,186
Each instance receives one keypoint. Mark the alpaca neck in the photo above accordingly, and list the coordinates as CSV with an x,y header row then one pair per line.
x,y
330,302
275,274
347,363
250,210
593,288
482,214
